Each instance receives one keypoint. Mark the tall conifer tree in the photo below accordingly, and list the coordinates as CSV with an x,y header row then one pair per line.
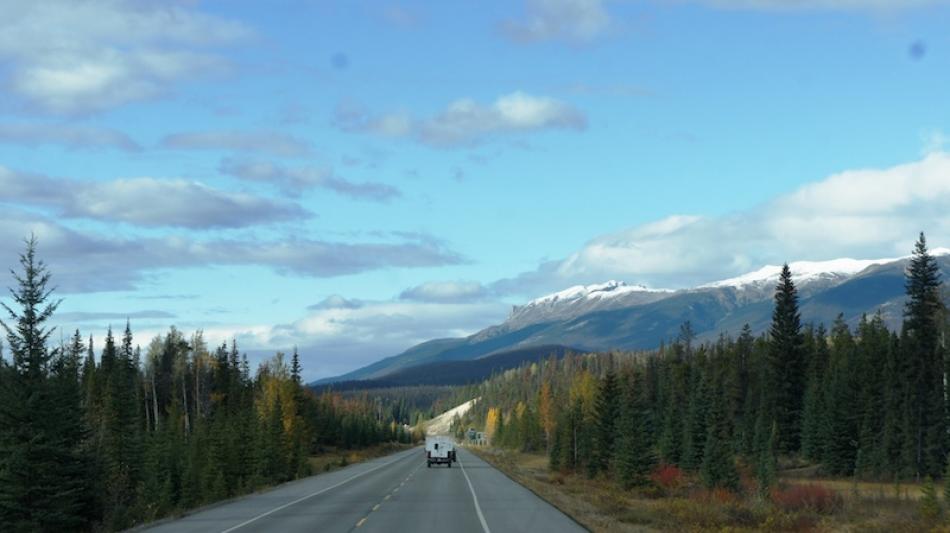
x,y
40,487
924,366
786,386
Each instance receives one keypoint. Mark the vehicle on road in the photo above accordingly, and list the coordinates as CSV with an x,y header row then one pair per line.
x,y
440,450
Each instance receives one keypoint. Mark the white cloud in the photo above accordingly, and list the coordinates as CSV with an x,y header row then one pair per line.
x,y
76,57
294,181
268,142
145,201
83,261
465,121
71,136
335,301
571,20
337,339
867,213
446,292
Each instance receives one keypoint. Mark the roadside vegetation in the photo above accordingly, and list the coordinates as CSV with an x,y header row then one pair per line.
x,y
800,428
106,439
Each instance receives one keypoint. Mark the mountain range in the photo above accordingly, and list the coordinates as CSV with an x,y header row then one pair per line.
x,y
615,315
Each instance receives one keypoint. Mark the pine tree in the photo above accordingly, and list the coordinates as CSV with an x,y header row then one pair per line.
x,y
676,397
694,436
41,487
787,361
718,467
606,411
842,413
122,459
926,409
814,405
767,467
633,454
295,367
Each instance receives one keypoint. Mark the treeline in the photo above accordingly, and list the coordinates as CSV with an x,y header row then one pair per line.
x,y
867,402
107,442
410,406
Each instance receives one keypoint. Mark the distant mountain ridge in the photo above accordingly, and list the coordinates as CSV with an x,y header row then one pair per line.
x,y
615,315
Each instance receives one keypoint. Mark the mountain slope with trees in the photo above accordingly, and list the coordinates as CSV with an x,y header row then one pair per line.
x,y
637,322
866,402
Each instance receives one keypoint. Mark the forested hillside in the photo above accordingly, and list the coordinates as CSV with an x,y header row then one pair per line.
x,y
863,402
108,438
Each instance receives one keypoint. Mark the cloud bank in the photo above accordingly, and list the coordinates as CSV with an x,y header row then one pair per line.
x,y
575,21
866,213
145,201
77,57
295,181
465,122
68,135
266,142
87,262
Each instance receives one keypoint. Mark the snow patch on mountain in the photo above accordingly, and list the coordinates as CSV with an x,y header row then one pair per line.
x,y
610,289
802,272
808,271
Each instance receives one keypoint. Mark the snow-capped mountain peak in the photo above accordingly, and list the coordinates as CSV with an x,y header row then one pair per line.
x,y
582,299
807,271
610,289
802,271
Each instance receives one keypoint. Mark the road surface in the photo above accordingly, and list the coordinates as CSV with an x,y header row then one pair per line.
x,y
391,494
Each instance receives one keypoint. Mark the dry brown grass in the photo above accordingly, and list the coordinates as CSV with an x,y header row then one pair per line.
x,y
600,505
333,458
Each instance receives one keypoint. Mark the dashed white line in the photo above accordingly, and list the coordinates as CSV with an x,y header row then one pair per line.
x,y
319,492
478,508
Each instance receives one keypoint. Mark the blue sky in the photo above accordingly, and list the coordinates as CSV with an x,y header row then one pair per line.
x,y
355,177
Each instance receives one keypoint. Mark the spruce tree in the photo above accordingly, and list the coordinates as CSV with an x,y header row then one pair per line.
x,y
813,414
718,468
787,362
605,408
842,414
767,465
633,453
694,436
41,488
926,409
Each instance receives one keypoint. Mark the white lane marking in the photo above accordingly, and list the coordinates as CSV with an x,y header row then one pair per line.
x,y
361,522
478,508
319,492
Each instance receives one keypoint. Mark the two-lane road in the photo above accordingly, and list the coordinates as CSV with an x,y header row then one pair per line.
x,y
391,494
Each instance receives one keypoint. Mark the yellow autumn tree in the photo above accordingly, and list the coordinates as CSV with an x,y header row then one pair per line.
x,y
491,423
277,385
546,411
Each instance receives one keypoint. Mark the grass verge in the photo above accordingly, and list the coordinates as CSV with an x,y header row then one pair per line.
x,y
798,504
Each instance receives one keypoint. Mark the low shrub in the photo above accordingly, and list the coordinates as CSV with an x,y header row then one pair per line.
x,y
668,477
806,497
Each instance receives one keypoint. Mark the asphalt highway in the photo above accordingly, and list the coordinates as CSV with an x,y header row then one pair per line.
x,y
393,494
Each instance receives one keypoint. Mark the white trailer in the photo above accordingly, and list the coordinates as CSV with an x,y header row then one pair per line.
x,y
440,450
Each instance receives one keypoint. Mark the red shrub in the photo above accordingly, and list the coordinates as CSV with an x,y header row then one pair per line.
x,y
806,497
667,476
723,496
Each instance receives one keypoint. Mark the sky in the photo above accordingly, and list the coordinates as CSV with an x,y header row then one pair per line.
x,y
355,177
